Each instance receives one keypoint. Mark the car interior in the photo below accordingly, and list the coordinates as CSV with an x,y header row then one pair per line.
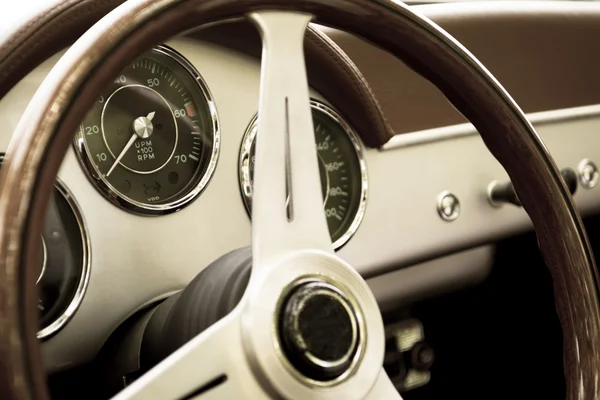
x,y
299,199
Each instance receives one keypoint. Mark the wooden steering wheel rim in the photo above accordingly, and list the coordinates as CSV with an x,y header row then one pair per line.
x,y
46,131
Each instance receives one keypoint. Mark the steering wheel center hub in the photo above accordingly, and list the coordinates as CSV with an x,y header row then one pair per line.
x,y
312,314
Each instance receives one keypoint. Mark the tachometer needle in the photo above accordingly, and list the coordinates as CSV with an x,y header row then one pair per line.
x,y
127,146
143,128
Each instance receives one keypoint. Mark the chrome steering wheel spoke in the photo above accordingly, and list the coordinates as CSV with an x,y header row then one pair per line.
x,y
257,351
287,204
210,366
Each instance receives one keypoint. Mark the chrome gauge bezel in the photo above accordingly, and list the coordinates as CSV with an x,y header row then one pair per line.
x,y
139,208
86,262
86,265
244,167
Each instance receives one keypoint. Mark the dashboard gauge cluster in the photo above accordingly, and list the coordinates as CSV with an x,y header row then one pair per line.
x,y
151,141
64,262
342,168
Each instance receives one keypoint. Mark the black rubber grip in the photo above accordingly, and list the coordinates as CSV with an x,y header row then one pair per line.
x,y
213,294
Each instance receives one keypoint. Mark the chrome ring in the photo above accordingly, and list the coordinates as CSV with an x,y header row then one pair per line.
x,y
244,167
332,291
360,330
44,260
136,207
86,262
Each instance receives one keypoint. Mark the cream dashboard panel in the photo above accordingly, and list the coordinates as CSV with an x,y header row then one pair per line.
x,y
138,259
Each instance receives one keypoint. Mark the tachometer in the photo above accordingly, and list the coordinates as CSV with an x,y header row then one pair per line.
x,y
150,143
342,168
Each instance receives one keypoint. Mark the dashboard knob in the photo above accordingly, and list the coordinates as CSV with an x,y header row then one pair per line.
x,y
588,173
504,193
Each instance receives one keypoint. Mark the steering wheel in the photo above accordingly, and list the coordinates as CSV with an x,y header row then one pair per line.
x,y
307,325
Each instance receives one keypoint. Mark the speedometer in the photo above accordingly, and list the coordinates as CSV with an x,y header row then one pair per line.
x,y
150,142
342,169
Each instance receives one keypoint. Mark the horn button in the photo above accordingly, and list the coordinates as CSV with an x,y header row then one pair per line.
x,y
319,331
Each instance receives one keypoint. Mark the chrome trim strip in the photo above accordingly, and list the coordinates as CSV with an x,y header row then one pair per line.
x,y
403,140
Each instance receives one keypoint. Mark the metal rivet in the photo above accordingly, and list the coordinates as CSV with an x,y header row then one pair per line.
x,y
448,206
588,173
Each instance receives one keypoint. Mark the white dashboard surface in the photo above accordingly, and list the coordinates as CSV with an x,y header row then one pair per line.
x,y
137,259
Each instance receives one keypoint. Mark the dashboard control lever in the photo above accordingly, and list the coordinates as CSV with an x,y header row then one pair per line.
x,y
503,193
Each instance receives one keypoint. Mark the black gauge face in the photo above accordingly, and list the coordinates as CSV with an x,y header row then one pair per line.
x,y
151,140
63,263
341,166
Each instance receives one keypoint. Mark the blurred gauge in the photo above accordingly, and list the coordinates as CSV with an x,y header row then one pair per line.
x,y
63,262
64,265
341,165
151,141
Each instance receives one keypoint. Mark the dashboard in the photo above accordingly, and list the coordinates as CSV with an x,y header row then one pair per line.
x,y
152,210
156,208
